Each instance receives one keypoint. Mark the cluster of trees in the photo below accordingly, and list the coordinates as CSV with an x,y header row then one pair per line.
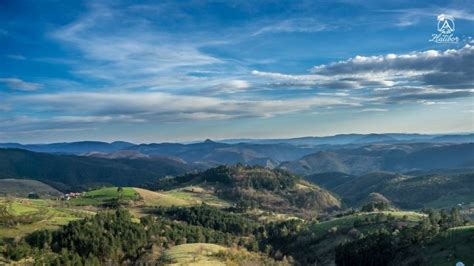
x,y
375,206
210,217
387,247
238,175
111,238
114,237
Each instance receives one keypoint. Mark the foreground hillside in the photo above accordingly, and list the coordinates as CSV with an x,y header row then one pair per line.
x,y
273,190
242,215
203,234
215,217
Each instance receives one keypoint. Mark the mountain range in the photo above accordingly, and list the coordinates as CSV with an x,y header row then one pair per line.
x,y
354,154
332,152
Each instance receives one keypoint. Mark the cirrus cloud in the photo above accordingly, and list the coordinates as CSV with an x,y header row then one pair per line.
x,y
19,84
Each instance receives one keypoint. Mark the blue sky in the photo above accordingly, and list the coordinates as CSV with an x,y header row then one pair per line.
x,y
152,71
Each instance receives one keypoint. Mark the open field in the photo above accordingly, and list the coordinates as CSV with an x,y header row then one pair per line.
x,y
104,196
152,198
195,254
196,196
148,198
267,216
30,215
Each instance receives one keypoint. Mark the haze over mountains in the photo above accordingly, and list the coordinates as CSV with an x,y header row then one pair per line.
x,y
350,153
93,163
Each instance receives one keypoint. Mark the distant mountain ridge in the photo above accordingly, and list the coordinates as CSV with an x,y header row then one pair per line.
x,y
385,157
71,172
344,139
265,152
426,190
72,147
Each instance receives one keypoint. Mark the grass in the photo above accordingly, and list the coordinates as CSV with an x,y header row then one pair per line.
x,y
195,254
104,196
148,198
462,228
22,207
197,196
268,216
37,214
186,196
152,198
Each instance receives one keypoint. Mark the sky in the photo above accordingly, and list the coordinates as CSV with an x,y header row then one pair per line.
x,y
156,71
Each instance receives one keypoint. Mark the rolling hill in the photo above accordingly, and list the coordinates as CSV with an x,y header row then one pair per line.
x,y
71,147
385,157
69,172
271,190
411,192
23,187
349,153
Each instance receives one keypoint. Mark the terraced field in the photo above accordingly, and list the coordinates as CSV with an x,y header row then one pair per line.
x,y
26,216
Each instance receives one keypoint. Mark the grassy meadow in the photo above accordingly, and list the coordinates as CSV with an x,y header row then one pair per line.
x,y
30,215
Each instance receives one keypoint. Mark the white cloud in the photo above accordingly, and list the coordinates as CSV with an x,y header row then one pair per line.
x,y
392,78
122,48
229,86
293,25
89,108
16,57
374,110
21,85
346,81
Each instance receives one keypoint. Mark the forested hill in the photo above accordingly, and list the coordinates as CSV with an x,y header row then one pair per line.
x,y
69,172
440,190
255,186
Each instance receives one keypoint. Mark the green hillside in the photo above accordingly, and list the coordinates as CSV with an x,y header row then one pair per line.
x,y
22,216
23,187
258,187
104,196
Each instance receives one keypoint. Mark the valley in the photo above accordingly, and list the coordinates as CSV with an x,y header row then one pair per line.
x,y
262,203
